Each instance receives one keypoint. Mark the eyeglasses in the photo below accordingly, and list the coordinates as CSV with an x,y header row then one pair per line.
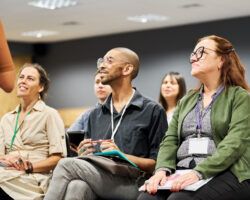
x,y
198,54
108,60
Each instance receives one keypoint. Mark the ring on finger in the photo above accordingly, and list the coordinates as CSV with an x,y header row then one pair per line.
x,y
82,150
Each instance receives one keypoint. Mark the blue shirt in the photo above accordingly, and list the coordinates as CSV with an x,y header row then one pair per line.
x,y
81,122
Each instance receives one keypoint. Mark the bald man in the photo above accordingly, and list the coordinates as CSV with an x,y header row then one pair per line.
x,y
128,122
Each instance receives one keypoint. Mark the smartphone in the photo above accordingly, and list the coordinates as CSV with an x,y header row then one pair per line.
x,y
75,137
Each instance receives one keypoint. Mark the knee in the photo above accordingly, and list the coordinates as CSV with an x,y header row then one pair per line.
x,y
64,162
76,185
78,189
180,196
146,196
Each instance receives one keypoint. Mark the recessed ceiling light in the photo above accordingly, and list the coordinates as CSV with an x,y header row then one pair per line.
x,y
191,5
39,33
147,18
70,23
52,4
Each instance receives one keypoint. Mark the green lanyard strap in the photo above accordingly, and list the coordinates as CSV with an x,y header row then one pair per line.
x,y
16,128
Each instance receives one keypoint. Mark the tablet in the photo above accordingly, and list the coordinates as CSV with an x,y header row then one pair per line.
x,y
75,137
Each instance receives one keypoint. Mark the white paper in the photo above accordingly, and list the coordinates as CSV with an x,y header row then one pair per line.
x,y
198,145
168,184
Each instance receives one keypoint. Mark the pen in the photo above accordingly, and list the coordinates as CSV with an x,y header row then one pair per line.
x,y
100,141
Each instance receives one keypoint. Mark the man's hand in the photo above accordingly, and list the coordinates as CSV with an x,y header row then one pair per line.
x,y
85,147
108,145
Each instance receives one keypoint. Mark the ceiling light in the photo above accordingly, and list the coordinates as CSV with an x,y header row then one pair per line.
x,y
192,5
39,33
52,4
147,18
70,23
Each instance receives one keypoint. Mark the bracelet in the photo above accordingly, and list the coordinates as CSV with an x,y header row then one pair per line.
x,y
30,168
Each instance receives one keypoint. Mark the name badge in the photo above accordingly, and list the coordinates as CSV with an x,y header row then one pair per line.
x,y
198,145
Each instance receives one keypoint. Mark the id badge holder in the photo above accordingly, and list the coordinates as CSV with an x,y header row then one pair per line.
x,y
198,145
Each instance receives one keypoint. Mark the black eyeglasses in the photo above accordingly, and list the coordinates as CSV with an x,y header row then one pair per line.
x,y
198,54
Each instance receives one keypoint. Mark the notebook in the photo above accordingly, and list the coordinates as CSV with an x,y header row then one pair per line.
x,y
116,153
168,184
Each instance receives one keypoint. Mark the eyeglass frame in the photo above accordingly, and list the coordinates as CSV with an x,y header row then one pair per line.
x,y
110,60
202,51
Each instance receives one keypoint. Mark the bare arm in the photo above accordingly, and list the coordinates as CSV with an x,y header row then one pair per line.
x,y
21,164
145,164
47,164
7,80
7,69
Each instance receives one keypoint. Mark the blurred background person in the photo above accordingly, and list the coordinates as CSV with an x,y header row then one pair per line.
x,y
173,88
101,93
32,139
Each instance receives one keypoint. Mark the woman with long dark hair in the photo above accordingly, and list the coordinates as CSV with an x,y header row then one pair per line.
x,y
173,88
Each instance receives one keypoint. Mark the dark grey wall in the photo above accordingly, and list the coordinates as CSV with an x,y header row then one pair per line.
x,y
71,65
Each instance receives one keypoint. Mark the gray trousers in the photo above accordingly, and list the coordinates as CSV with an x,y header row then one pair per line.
x,y
78,179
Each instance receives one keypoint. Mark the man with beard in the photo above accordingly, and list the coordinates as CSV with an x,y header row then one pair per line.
x,y
127,122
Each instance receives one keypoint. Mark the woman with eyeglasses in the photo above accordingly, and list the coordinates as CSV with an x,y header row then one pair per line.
x,y
31,139
210,131
173,88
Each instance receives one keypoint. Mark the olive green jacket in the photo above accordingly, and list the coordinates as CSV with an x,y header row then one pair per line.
x,y
230,121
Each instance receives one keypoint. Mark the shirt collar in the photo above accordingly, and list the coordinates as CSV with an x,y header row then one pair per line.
x,y
137,100
39,106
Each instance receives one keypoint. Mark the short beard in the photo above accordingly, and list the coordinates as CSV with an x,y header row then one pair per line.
x,y
110,79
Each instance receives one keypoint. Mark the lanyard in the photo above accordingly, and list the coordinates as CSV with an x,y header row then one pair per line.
x,y
17,128
199,115
114,130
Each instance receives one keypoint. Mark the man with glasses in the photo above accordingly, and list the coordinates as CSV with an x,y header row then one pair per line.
x,y
127,122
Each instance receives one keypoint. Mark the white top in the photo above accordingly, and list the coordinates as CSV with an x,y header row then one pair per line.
x,y
170,116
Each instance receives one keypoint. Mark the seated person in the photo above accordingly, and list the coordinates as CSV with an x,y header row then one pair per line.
x,y
209,132
32,139
133,124
101,92
173,88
